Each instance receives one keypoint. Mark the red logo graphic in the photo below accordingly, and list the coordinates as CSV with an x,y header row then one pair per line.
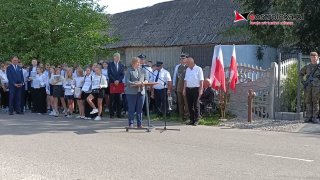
x,y
243,17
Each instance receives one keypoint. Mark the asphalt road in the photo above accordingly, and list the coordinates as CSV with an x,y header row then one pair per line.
x,y
41,147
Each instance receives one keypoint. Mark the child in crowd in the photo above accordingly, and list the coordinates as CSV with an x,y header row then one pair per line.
x,y
69,85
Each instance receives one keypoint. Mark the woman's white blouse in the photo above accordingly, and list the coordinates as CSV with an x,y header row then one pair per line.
x,y
99,82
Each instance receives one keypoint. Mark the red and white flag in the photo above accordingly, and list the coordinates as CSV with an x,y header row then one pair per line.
x,y
233,70
217,71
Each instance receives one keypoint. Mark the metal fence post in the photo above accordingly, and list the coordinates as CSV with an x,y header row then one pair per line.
x,y
251,95
279,74
299,84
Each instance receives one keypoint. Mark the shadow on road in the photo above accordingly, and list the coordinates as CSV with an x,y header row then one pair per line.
x,y
28,124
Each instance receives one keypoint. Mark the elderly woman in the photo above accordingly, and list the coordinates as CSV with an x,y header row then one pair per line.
x,y
135,91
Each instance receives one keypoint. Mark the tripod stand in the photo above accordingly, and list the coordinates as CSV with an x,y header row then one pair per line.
x,y
165,104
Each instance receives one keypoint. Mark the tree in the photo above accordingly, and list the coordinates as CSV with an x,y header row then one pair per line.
x,y
275,36
54,31
309,30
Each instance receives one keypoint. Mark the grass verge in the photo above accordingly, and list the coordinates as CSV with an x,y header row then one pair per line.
x,y
207,120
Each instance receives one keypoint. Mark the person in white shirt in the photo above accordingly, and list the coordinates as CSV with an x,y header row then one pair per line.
x,y
86,91
148,72
75,67
106,90
32,74
64,68
93,67
77,93
47,72
49,90
4,88
161,90
57,81
39,85
24,95
193,89
99,82
69,85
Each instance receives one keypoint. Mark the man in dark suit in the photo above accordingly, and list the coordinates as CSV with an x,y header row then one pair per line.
x,y
116,75
16,82
207,96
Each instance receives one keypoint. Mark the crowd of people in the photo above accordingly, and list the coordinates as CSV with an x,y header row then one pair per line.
x,y
105,86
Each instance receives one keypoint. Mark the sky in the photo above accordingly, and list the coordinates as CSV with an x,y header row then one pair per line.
x,y
116,6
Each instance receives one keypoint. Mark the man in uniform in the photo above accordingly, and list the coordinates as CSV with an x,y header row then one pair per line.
x,y
148,72
178,83
161,91
312,89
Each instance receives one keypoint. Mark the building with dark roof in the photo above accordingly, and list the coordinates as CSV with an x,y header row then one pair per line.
x,y
165,30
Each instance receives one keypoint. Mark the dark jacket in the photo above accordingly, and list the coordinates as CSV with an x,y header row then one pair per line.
x,y
14,76
115,75
133,76
207,95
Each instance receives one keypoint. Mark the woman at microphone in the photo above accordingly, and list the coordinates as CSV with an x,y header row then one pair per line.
x,y
135,91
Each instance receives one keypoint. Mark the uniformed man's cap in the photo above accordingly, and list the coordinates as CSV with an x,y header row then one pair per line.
x,y
142,56
183,55
159,63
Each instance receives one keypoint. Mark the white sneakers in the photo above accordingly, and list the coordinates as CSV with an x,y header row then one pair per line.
x,y
64,111
52,113
94,111
98,118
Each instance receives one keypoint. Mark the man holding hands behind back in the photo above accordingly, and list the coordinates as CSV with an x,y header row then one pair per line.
x,y
161,90
16,81
193,88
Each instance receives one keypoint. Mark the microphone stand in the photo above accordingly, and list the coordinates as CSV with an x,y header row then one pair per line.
x,y
165,104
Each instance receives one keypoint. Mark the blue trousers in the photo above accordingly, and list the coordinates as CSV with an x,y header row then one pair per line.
x,y
135,104
15,99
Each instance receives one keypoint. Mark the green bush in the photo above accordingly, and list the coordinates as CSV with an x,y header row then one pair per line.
x,y
290,88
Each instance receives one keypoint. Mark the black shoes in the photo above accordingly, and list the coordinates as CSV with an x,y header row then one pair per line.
x,y
119,116
315,120
311,120
189,123
193,123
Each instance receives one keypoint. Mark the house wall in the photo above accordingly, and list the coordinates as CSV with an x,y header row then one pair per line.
x,y
168,55
246,54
